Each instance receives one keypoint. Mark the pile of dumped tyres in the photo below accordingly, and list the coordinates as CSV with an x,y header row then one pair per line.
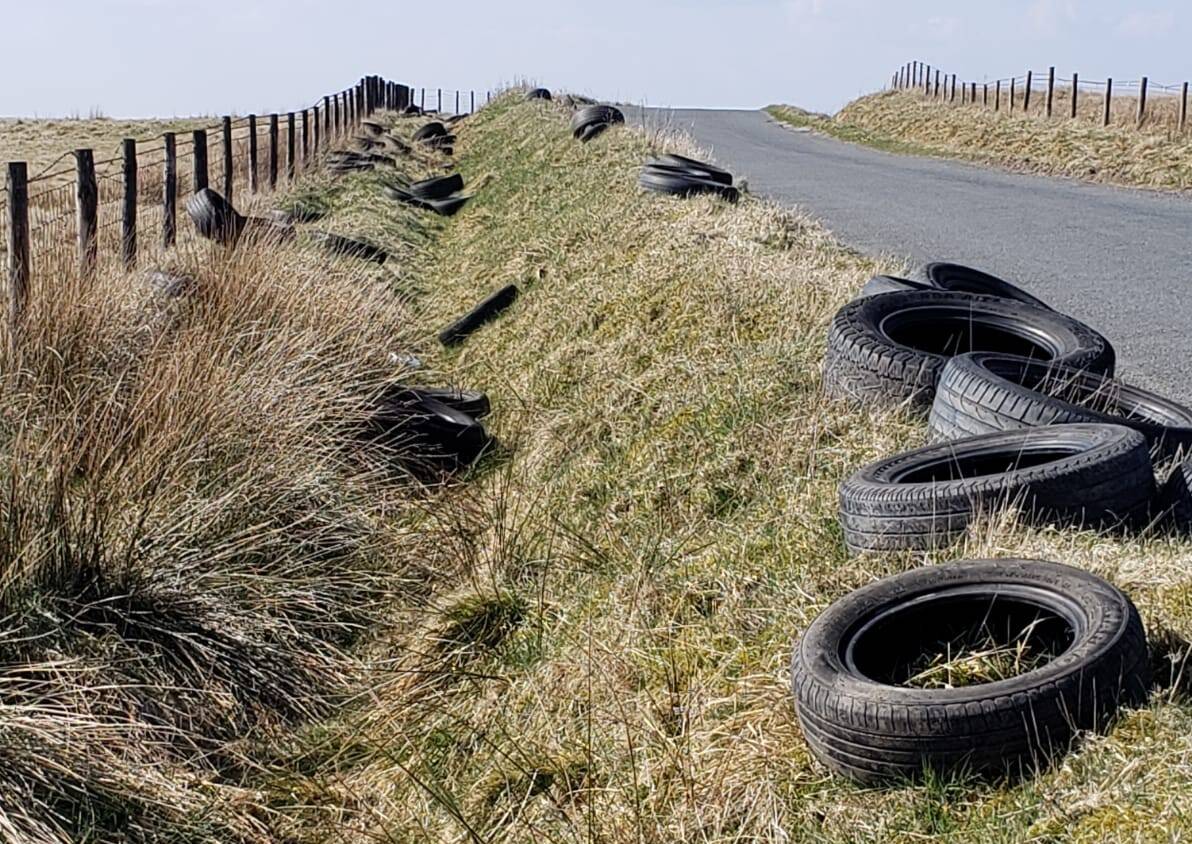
x,y
590,121
1024,412
681,176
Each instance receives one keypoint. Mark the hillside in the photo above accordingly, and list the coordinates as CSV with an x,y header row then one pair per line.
x,y
232,623
1156,157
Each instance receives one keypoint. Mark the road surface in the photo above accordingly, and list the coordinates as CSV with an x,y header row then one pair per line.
x,y
1117,259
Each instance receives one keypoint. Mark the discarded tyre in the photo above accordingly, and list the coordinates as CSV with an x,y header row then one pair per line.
x,y
590,121
472,402
671,162
348,247
890,284
941,275
880,698
891,349
447,207
679,183
214,217
437,188
487,310
426,434
372,127
538,94
434,129
411,111
1082,475
1175,499
982,392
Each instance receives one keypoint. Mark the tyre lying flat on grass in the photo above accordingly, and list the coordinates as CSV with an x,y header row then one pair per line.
x,y
1052,651
943,275
891,349
1082,475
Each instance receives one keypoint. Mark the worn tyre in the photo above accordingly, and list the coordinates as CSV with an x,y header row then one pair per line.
x,y
684,164
880,284
891,349
425,433
1174,503
472,402
214,217
982,392
861,717
434,129
595,115
440,187
348,247
1082,475
443,207
486,311
538,94
372,127
942,275
677,183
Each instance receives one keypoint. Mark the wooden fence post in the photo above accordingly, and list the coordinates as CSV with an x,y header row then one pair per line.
x,y
1075,93
291,146
973,95
1013,84
472,107
254,180
335,108
422,105
315,136
128,220
1142,102
169,211
18,244
1026,93
1183,106
305,137
200,159
439,106
273,125
229,161
489,96
937,83
327,116
1108,100
997,95
1050,89
985,96
87,211
953,87
457,100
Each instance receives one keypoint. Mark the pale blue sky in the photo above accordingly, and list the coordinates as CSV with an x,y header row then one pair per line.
x,y
165,57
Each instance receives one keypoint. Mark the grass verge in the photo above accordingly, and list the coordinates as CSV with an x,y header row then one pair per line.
x,y
900,122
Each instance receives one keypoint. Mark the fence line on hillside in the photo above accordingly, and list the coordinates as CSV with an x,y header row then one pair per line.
x,y
1146,102
76,213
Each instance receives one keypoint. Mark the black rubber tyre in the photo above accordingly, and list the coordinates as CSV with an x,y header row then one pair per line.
x,y
396,145
434,129
1082,475
592,131
942,275
411,111
880,284
440,187
690,165
538,94
1175,499
983,392
348,247
487,310
472,402
892,348
656,167
214,217
594,115
425,433
684,184
861,719
372,127
443,143
443,207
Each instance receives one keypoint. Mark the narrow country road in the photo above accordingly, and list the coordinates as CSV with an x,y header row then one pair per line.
x,y
1120,260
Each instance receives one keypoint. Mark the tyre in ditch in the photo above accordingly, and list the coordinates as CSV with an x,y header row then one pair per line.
x,y
891,349
874,706
434,129
1096,476
944,275
426,435
488,310
439,187
474,403
984,392
679,183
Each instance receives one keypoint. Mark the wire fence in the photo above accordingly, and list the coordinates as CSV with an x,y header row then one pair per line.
x,y
1142,103
80,213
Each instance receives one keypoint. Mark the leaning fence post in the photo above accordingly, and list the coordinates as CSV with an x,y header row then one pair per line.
x,y
1142,102
128,220
1108,100
1050,89
1026,93
87,210
273,124
229,160
254,180
18,244
169,211
200,159
291,145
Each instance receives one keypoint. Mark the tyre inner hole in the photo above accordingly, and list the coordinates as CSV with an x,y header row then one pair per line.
x,y
961,467
951,331
958,641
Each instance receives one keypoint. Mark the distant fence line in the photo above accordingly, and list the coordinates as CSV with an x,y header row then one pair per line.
x,y
105,206
1140,102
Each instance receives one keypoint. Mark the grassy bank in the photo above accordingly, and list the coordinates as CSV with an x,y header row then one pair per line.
x,y
1157,157
276,637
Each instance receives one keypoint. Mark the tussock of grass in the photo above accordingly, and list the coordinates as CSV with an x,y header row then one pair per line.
x,y
1158,156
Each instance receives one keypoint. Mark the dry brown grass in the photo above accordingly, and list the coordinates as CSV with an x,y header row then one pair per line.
x,y
1156,156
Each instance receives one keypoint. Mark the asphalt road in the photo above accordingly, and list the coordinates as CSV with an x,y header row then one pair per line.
x,y
1119,260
